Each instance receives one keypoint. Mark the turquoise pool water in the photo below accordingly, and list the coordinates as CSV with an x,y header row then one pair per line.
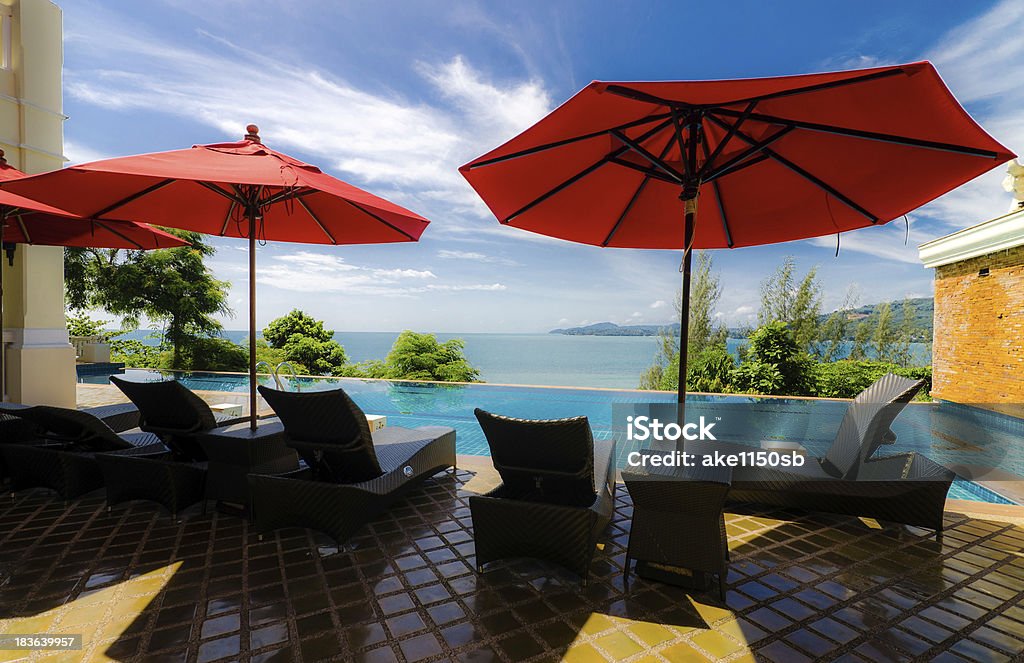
x,y
945,433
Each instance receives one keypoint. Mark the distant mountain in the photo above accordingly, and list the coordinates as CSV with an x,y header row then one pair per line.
x,y
923,310
612,329
923,315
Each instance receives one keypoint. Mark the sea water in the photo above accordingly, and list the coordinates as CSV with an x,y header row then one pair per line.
x,y
614,362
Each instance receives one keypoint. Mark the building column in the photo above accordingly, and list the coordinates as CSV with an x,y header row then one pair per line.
x,y
40,363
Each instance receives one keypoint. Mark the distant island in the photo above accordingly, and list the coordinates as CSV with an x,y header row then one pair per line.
x,y
612,329
923,308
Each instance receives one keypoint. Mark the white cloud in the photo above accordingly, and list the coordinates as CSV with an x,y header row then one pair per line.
x,y
661,303
406,149
475,256
982,61
76,153
886,245
307,271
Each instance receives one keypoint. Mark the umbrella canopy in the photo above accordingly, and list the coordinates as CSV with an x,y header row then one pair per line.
x,y
771,160
26,221
240,189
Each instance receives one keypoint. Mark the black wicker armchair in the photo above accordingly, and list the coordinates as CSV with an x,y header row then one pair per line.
x,y
850,479
355,474
66,457
171,411
556,494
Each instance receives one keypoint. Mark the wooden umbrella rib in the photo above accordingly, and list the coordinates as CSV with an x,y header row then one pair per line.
x,y
24,229
718,198
586,171
646,170
568,141
379,218
234,197
132,198
110,229
807,175
227,217
816,87
866,135
305,206
636,195
655,161
757,148
709,159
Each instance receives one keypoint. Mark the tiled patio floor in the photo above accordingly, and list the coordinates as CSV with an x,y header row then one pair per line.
x,y
144,588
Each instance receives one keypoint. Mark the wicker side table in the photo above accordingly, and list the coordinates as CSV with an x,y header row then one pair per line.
x,y
236,451
678,524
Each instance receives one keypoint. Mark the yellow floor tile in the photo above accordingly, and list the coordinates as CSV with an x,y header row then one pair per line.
x,y
619,645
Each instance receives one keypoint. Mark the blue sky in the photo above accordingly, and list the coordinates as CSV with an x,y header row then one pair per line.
x,y
394,96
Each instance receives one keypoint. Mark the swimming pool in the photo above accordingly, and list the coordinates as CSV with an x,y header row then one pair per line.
x,y
945,433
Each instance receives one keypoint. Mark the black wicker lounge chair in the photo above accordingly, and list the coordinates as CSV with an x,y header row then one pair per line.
x,y
556,493
850,479
65,460
355,474
175,414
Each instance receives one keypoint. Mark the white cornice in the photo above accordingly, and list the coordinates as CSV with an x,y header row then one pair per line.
x,y
999,234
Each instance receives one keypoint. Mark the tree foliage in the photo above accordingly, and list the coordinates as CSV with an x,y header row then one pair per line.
x,y
305,343
833,333
797,305
171,287
775,364
703,334
417,356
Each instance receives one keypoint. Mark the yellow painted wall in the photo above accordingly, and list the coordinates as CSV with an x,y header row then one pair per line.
x,y
40,361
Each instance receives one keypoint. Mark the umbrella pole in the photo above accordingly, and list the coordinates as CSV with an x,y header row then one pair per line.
x,y
684,309
252,320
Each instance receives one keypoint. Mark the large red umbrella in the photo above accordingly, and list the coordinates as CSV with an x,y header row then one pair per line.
x,y
775,159
240,189
25,221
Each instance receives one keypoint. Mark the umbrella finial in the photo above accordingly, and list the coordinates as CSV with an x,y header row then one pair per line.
x,y
252,133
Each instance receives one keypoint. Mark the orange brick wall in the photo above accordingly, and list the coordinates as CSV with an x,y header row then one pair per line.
x,y
979,332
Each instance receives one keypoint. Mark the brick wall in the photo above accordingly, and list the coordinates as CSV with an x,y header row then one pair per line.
x,y
978,356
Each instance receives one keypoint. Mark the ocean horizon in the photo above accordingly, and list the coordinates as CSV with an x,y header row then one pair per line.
x,y
611,362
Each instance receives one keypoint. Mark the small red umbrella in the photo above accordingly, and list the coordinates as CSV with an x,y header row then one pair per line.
x,y
241,189
775,159
25,221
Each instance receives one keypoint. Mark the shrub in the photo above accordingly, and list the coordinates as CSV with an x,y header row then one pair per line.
x,y
849,377
710,370
791,371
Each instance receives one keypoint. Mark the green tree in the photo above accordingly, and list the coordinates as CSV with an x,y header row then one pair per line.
x,y
703,333
416,356
861,338
798,305
901,353
775,364
305,342
834,331
172,287
83,325
704,296
886,335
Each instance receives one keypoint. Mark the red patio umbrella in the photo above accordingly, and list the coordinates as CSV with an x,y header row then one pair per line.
x,y
240,189
25,221
775,159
